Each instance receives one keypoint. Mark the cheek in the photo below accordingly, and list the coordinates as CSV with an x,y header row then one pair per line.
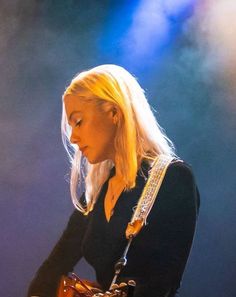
x,y
110,134
104,135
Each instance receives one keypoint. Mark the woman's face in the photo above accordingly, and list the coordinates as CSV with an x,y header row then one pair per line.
x,y
93,130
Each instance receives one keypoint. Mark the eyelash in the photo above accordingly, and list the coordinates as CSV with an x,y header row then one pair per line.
x,y
78,123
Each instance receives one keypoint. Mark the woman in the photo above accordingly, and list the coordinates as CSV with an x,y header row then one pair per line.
x,y
112,138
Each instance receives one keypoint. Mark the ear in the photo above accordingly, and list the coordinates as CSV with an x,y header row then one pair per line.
x,y
115,114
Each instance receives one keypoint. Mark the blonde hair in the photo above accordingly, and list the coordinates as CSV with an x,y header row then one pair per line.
x,y
138,136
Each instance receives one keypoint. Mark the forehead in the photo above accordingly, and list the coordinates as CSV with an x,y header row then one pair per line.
x,y
75,105
74,102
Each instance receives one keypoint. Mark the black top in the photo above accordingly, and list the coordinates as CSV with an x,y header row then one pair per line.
x,y
158,254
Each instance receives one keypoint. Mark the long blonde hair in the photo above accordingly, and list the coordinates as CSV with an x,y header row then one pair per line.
x,y
138,136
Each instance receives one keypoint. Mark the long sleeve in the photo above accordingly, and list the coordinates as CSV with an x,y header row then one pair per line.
x,y
170,231
61,260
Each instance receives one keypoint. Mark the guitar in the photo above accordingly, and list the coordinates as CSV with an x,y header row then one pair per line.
x,y
73,286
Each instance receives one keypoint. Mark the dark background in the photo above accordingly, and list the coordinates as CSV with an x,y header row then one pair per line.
x,y
43,44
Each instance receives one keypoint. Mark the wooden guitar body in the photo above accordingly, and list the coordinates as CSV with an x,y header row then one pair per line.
x,y
73,286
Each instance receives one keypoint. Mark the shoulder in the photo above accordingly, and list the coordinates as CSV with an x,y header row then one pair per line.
x,y
179,184
179,170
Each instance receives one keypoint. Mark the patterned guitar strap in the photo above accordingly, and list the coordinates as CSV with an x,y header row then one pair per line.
x,y
144,206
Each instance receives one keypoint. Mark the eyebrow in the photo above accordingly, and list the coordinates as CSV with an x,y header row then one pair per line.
x,y
73,112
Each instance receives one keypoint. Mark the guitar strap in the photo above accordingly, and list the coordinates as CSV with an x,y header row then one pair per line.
x,y
144,206
149,195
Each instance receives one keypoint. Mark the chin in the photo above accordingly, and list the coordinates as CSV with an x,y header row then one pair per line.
x,y
94,161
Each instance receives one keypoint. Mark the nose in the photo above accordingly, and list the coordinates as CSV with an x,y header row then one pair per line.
x,y
74,139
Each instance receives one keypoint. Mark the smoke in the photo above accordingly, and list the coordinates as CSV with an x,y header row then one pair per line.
x,y
216,27
148,31
154,26
9,24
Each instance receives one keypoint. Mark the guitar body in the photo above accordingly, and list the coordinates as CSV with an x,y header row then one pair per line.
x,y
76,287
73,286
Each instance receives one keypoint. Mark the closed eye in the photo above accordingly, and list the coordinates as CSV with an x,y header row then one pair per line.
x,y
78,123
